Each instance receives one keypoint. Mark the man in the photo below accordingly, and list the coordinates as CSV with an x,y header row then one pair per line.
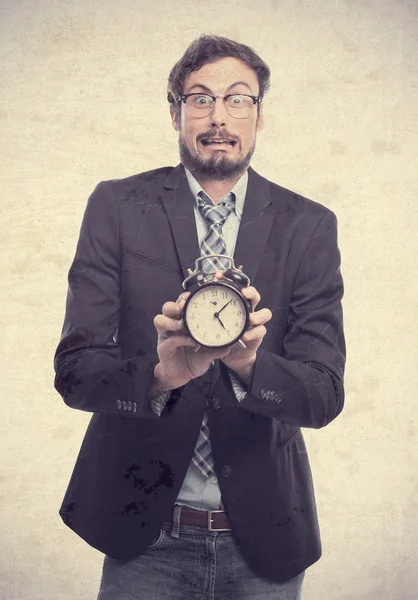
x,y
193,477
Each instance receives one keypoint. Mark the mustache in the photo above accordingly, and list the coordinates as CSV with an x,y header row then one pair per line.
x,y
213,133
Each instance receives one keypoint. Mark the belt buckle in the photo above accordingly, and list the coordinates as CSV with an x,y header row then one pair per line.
x,y
210,513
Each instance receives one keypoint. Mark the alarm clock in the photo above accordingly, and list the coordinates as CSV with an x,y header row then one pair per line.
x,y
216,314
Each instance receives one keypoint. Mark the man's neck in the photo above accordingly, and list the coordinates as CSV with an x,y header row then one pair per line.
x,y
218,189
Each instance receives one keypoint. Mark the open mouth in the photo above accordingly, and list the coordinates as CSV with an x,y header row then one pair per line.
x,y
217,143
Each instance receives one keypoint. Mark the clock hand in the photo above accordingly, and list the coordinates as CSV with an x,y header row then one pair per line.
x,y
225,306
219,319
240,342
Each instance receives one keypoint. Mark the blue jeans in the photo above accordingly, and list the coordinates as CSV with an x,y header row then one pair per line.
x,y
191,563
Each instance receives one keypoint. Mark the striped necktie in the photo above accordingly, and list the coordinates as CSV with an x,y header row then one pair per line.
x,y
215,216
213,243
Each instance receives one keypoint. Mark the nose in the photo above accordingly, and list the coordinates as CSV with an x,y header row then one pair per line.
x,y
219,114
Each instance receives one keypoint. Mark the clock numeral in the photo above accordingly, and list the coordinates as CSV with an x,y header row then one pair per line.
x,y
197,326
236,324
214,293
234,302
224,295
239,313
218,336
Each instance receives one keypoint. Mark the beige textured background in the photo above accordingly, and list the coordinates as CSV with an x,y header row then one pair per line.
x,y
83,99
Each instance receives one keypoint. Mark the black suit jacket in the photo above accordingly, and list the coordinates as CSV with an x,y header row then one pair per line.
x,y
137,239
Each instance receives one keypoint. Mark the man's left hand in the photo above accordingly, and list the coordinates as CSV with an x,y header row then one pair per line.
x,y
241,360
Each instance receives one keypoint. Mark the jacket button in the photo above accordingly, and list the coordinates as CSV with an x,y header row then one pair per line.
x,y
226,471
134,407
129,405
125,405
263,393
118,404
216,403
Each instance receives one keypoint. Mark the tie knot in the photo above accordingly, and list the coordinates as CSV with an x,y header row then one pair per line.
x,y
215,214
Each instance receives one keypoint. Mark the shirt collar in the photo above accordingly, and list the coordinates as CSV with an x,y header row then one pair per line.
x,y
239,190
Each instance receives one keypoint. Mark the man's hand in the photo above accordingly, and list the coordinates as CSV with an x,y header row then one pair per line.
x,y
241,360
179,360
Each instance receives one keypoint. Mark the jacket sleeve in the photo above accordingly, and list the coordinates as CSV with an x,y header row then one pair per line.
x,y
90,373
304,385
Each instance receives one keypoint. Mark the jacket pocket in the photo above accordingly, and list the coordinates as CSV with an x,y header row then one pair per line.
x,y
153,261
289,437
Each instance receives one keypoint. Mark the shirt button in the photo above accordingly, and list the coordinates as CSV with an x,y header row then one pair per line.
x,y
214,479
216,403
226,471
118,403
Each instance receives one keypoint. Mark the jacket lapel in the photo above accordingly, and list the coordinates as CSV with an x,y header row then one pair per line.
x,y
256,222
254,231
179,205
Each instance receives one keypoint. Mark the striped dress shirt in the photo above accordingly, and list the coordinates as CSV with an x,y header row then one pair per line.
x,y
197,491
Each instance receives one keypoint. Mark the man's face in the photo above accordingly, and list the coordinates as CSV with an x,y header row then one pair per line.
x,y
199,151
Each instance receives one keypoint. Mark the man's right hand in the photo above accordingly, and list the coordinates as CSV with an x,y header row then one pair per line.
x,y
179,360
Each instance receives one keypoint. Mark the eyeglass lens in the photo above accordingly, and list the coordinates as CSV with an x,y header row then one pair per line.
x,y
237,105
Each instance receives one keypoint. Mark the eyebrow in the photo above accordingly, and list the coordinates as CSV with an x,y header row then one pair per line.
x,y
209,91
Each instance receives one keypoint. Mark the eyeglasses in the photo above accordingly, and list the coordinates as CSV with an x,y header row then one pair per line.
x,y
239,106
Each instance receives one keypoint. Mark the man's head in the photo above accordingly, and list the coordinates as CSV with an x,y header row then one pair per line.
x,y
217,138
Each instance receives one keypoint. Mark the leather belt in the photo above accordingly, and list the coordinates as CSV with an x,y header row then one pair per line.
x,y
212,520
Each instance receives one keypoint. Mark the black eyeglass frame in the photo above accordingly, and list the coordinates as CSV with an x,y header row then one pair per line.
x,y
183,98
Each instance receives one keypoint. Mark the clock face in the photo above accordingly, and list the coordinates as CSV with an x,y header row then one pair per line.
x,y
215,315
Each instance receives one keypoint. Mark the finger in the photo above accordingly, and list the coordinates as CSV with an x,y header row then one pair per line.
x,y
183,296
255,334
178,340
260,317
166,325
173,310
251,294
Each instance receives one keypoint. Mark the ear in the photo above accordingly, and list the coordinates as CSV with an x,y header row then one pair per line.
x,y
260,119
175,118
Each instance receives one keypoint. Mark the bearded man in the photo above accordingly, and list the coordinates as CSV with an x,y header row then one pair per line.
x,y
193,478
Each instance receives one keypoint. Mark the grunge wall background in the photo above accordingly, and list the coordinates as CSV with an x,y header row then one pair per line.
x,y
83,99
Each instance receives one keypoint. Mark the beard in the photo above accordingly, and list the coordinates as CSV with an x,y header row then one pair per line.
x,y
216,168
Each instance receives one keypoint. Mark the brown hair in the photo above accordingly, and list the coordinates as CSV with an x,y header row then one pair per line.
x,y
208,48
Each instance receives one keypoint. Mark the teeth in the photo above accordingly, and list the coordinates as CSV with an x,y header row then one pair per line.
x,y
208,142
